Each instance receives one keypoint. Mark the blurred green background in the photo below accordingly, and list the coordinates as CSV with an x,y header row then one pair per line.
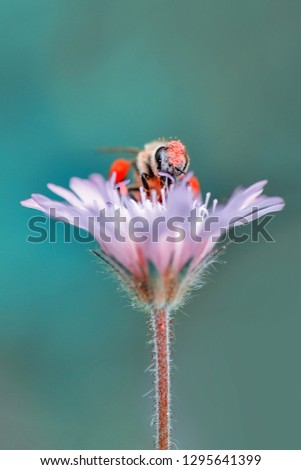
x,y
225,78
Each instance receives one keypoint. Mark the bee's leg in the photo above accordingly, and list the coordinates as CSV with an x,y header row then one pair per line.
x,y
144,178
134,192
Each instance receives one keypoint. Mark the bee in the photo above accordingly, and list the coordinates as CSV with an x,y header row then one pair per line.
x,y
160,163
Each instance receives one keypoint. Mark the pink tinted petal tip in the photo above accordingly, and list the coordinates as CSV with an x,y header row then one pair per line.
x,y
31,203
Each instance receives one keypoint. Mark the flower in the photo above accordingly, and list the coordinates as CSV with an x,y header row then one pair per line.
x,y
157,266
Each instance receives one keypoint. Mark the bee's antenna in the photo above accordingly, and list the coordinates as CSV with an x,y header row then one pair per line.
x,y
132,150
181,171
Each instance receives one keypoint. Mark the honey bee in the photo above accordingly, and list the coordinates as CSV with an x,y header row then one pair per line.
x,y
159,164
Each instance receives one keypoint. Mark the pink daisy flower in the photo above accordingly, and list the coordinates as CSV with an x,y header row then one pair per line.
x,y
159,266
164,261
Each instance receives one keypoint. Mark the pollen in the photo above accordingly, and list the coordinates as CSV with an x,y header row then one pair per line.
x,y
121,167
195,185
176,152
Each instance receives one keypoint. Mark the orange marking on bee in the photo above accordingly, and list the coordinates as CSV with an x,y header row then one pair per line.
x,y
155,184
121,167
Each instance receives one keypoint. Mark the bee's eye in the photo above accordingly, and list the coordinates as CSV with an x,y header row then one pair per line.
x,y
160,155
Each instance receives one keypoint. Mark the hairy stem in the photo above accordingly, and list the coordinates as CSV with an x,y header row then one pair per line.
x,y
161,331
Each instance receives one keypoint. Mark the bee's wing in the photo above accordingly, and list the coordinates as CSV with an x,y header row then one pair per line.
x,y
131,150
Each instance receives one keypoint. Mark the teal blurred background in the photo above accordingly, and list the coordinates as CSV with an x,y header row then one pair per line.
x,y
225,78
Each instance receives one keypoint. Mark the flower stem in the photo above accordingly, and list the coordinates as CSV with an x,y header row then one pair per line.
x,y
160,322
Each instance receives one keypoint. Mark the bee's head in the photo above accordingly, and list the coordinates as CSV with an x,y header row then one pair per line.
x,y
171,158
